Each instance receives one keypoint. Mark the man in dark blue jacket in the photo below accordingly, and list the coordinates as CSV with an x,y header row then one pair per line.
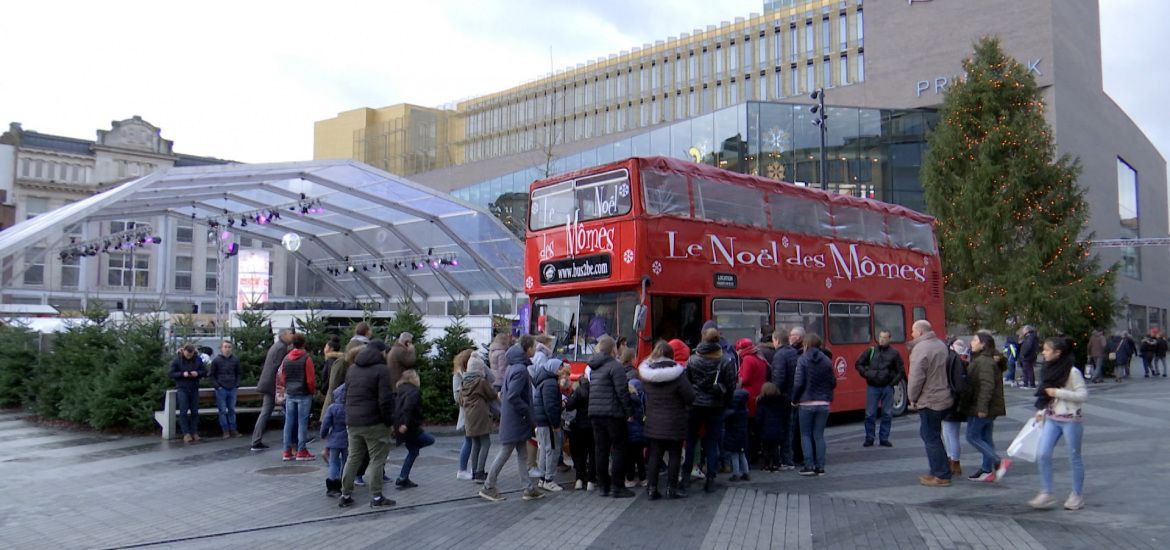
x,y
782,372
225,376
186,370
1029,349
610,410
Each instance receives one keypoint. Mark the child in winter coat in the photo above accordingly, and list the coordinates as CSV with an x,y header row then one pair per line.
x,y
771,415
735,436
581,434
336,439
408,425
636,446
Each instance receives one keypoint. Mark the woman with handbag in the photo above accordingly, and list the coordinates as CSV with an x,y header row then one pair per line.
x,y
1058,403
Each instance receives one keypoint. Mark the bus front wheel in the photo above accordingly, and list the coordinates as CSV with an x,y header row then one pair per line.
x,y
899,407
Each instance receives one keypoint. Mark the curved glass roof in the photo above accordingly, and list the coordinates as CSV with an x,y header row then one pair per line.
x,y
366,215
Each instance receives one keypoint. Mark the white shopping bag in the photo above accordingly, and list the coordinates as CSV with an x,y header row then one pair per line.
x,y
1027,443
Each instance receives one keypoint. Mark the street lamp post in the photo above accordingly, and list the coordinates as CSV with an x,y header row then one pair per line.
x,y
819,118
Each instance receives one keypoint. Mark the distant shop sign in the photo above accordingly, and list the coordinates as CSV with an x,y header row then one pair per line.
x,y
940,84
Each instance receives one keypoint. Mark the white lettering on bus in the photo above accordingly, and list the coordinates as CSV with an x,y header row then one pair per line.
x,y
849,264
580,239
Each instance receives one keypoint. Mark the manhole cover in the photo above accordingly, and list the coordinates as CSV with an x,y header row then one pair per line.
x,y
286,470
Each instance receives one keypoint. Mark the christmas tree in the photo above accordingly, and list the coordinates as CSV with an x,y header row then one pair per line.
x,y
1011,216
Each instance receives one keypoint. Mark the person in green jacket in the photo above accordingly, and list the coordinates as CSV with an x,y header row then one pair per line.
x,y
982,403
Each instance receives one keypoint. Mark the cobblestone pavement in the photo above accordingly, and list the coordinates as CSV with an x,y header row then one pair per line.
x,y
86,490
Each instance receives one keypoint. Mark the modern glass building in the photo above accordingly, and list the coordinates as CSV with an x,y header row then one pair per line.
x,y
873,153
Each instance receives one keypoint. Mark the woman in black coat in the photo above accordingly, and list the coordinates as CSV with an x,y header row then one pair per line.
x,y
668,394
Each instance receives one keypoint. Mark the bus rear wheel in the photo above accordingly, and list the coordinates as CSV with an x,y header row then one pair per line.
x,y
899,407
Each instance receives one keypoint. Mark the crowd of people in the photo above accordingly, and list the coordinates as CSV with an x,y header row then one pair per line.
x,y
673,418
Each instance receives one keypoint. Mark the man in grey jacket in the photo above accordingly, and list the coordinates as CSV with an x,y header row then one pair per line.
x,y
930,394
267,385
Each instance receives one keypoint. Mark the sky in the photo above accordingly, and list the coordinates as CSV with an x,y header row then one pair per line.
x,y
245,80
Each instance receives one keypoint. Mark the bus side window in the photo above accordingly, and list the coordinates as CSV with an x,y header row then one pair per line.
x,y
794,313
849,323
919,313
890,317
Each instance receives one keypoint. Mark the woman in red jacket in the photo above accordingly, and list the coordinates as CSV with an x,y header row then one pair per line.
x,y
753,373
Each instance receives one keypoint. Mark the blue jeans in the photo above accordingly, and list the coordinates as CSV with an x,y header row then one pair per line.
x,y
225,401
188,402
337,462
951,442
872,397
979,435
930,430
1010,375
711,420
1049,435
738,462
464,454
413,445
296,414
812,434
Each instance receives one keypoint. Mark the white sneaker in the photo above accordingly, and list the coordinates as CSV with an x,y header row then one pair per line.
x,y
631,484
697,474
463,474
1074,502
579,485
551,486
591,486
535,472
1042,501
1001,471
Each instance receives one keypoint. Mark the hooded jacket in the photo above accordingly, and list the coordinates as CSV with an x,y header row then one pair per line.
x,y
276,353
1029,347
609,396
546,395
578,403
772,417
815,379
333,431
408,406
783,369
984,387
753,372
476,397
707,366
516,420
735,424
668,394
368,399
399,359
337,373
498,362
179,365
297,375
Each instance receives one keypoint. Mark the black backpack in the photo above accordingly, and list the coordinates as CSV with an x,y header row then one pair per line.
x,y
956,374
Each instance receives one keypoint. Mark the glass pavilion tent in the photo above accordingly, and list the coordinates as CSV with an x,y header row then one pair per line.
x,y
392,231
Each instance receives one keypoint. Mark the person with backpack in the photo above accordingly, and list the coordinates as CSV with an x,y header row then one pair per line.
x,y
882,368
1148,346
958,356
1123,352
711,374
1011,351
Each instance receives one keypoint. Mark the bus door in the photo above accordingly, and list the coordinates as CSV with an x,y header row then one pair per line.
x,y
676,317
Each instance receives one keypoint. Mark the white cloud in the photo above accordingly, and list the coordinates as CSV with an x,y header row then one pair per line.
x,y
247,79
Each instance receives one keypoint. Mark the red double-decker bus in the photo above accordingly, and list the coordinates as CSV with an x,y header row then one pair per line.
x,y
651,248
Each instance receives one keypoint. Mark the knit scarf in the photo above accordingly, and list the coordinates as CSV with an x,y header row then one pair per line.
x,y
1054,375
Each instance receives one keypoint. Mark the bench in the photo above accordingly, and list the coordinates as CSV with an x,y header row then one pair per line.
x,y
167,417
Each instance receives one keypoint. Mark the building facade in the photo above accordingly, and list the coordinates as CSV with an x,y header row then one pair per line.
x,y
402,139
41,172
885,65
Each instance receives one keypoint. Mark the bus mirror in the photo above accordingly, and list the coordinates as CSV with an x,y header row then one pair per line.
x,y
639,317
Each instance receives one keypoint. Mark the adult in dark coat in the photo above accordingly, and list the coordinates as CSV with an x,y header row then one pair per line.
x,y
186,370
789,346
712,376
369,414
772,413
668,394
267,385
983,403
610,409
1029,349
408,419
882,368
224,373
516,419
812,390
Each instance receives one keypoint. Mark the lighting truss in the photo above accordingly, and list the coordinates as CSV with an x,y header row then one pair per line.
x,y
136,237
261,216
412,262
